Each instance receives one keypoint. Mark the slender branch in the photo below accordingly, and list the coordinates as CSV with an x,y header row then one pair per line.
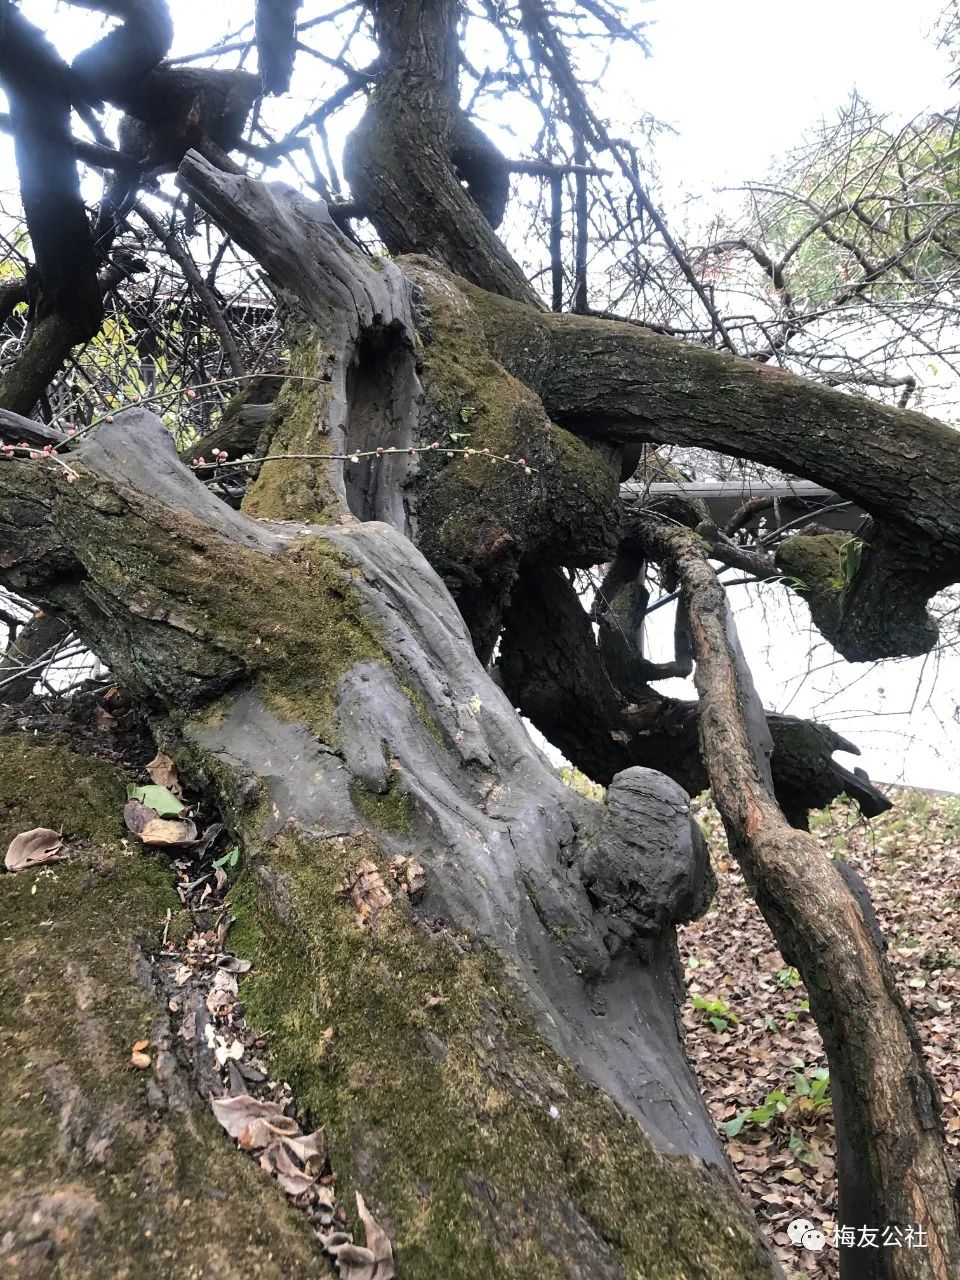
x,y
892,1157
208,298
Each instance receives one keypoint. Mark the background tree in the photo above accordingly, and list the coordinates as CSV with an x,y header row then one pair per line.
x,y
466,970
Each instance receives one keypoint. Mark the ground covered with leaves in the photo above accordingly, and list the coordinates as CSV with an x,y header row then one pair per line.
x,y
750,1035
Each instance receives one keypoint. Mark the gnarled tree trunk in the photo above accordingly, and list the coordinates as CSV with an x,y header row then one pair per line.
x,y
503,1075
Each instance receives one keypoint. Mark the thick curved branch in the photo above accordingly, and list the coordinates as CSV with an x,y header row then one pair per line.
x,y
40,89
276,36
571,904
620,383
113,69
409,156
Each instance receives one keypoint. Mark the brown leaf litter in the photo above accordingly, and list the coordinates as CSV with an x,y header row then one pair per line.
x,y
910,859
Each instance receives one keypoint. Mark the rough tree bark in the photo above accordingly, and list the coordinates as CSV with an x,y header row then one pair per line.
x,y
317,676
326,682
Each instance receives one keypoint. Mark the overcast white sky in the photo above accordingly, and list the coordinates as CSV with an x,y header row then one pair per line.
x,y
741,81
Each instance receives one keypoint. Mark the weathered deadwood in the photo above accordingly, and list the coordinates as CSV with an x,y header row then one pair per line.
x,y
16,429
350,313
622,383
390,355
893,1166
329,679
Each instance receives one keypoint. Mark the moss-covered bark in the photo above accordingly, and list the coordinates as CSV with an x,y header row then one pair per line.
x,y
622,383
299,489
483,1152
323,687
479,518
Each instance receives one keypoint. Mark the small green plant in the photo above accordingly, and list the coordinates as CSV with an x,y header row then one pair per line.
x,y
229,859
715,1011
789,977
802,1007
809,1094
848,558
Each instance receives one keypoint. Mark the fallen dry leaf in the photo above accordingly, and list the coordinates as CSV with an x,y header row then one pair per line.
x,y
293,1180
164,831
253,1123
105,721
163,772
410,876
137,815
296,1162
223,991
374,1261
225,1053
910,859
370,894
31,848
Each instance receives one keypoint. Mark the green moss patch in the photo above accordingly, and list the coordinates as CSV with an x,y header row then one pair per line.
x,y
298,489
107,1170
208,608
471,507
384,811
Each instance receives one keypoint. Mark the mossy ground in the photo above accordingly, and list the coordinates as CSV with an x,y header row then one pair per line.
x,y
435,1093
910,859
107,1171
